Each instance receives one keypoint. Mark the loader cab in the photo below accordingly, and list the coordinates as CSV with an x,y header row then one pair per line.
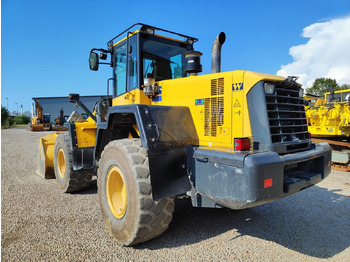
x,y
143,54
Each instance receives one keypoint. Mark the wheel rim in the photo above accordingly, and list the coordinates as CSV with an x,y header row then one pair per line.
x,y
116,192
61,162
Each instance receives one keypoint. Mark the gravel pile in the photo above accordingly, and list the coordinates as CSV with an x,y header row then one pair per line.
x,y
39,223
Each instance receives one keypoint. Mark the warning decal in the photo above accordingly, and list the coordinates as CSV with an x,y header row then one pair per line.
x,y
236,104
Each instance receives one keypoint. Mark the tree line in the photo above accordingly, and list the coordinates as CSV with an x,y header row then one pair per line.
x,y
8,121
324,85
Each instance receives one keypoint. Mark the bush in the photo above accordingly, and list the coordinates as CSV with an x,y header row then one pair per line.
x,y
7,121
20,120
4,115
10,121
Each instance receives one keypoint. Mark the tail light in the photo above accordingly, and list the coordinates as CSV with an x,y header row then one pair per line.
x,y
242,144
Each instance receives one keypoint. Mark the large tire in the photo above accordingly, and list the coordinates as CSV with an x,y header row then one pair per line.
x,y
124,189
68,179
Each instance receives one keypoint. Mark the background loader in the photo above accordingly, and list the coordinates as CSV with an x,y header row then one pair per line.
x,y
329,121
233,139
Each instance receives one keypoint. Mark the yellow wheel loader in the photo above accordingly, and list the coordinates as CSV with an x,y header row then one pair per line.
x,y
233,139
329,121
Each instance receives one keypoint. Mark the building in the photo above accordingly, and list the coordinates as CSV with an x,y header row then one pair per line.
x,y
53,105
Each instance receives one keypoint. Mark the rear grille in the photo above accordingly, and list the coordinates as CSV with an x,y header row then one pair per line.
x,y
214,108
286,115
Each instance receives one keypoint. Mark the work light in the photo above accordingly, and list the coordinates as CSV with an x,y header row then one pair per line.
x,y
301,92
269,88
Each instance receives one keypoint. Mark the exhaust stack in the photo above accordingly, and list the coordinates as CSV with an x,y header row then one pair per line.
x,y
216,53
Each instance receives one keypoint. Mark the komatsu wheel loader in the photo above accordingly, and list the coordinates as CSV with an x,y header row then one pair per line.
x,y
329,121
233,139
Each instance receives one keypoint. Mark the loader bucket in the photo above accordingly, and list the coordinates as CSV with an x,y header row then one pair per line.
x,y
37,127
46,155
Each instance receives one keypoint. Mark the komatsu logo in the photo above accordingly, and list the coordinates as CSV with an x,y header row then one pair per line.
x,y
237,86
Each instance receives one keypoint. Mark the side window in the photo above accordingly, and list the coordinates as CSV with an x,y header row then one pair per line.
x,y
337,98
176,66
120,69
345,96
132,64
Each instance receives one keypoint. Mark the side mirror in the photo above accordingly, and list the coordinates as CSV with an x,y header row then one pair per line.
x,y
93,61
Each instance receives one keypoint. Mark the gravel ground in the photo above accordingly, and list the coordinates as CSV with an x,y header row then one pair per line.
x,y
39,223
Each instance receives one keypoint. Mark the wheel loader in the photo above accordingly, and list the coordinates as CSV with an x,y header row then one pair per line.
x,y
233,139
329,121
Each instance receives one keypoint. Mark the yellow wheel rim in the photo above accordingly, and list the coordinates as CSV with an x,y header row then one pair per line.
x,y
61,162
116,192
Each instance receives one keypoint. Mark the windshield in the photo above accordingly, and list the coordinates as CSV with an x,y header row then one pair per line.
x,y
342,97
162,60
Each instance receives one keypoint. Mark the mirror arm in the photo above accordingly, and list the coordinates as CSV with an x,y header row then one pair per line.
x,y
86,110
101,50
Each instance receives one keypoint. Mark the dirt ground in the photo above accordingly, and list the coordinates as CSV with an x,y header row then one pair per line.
x,y
39,223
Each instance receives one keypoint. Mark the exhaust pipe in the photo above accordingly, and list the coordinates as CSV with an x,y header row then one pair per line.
x,y
216,53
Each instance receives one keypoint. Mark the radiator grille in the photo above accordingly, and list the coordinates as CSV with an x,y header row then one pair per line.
x,y
286,115
217,86
214,108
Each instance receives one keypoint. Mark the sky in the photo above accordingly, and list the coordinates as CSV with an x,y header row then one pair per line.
x,y
45,44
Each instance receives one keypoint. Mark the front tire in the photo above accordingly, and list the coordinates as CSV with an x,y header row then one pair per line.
x,y
68,180
125,193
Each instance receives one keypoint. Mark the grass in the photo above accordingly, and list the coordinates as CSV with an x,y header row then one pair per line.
x,y
7,127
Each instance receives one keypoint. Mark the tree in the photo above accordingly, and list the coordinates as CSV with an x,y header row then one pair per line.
x,y
323,85
345,86
4,115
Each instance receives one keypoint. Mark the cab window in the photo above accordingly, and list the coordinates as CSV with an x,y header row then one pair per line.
x,y
125,80
120,69
162,60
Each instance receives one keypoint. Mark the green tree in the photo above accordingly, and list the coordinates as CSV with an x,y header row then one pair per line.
x,y
4,115
20,120
323,85
345,86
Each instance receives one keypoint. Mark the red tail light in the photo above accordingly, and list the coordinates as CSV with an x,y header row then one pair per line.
x,y
309,135
242,144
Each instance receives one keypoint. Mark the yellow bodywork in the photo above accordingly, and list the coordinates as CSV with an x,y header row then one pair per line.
x,y
217,103
86,133
327,118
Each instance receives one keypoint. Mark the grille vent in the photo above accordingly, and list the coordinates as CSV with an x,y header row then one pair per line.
x,y
214,108
217,87
287,115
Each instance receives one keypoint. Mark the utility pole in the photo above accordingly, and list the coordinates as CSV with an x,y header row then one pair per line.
x,y
7,99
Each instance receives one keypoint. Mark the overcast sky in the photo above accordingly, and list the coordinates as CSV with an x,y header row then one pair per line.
x,y
45,44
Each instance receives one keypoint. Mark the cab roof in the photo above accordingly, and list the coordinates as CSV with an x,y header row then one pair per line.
x,y
150,30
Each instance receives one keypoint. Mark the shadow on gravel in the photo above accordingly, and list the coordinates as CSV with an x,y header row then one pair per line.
x,y
91,190
314,222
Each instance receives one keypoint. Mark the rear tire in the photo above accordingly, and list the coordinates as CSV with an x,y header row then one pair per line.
x,y
125,193
69,180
